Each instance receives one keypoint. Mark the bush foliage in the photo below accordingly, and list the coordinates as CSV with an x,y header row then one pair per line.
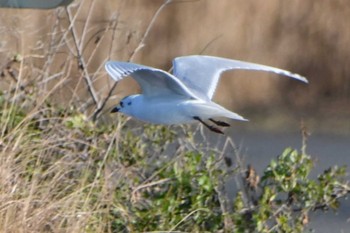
x,y
68,169
63,172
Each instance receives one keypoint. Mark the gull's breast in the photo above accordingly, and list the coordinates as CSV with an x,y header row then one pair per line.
x,y
167,110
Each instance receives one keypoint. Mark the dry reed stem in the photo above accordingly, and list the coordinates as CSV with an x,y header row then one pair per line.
x,y
140,45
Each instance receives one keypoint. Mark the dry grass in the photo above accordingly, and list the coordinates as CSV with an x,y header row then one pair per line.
x,y
300,36
48,173
59,170
60,162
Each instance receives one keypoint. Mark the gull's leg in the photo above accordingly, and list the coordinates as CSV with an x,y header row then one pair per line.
x,y
219,123
211,127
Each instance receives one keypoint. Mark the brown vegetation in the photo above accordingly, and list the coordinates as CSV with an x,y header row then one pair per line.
x,y
304,37
61,172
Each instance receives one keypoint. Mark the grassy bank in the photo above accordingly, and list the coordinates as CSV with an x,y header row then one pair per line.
x,y
64,167
61,172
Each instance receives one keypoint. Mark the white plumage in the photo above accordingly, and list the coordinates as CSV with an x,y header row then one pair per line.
x,y
185,95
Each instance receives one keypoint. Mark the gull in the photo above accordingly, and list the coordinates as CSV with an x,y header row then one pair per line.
x,y
184,96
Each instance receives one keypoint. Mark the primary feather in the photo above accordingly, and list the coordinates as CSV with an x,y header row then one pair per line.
x,y
153,82
202,73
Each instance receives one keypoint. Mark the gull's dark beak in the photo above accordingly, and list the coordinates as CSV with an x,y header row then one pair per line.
x,y
116,109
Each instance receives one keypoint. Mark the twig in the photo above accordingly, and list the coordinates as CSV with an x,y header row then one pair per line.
x,y
51,53
82,63
150,25
225,203
98,110
84,32
186,217
143,186
209,43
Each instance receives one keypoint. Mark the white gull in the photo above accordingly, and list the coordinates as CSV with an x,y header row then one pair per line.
x,y
184,96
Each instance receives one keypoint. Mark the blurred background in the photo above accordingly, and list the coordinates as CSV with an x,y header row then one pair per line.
x,y
303,37
60,53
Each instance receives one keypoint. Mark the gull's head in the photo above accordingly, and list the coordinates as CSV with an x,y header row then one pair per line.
x,y
126,105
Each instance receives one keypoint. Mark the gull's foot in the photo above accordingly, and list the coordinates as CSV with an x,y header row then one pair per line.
x,y
219,123
215,129
211,127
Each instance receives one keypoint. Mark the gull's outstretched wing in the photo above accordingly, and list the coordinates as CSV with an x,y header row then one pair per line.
x,y
202,73
153,82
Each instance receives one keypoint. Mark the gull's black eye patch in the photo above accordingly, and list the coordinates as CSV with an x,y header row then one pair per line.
x,y
121,104
129,103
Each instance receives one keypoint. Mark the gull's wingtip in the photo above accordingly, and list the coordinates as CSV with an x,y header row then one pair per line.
x,y
117,70
304,80
108,64
288,74
300,78
111,71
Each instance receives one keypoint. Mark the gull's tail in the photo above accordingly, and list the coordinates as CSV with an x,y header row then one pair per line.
x,y
207,110
234,116
223,112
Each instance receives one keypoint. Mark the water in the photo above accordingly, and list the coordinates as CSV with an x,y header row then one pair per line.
x,y
258,148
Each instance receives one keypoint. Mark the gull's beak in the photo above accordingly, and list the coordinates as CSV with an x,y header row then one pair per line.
x,y
116,109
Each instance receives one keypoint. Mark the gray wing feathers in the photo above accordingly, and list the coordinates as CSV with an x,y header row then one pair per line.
x,y
119,70
194,76
202,73
153,82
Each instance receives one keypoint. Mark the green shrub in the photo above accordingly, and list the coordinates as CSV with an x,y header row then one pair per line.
x,y
61,171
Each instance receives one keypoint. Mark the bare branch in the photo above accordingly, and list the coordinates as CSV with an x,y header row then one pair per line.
x,y
81,61
98,110
150,26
